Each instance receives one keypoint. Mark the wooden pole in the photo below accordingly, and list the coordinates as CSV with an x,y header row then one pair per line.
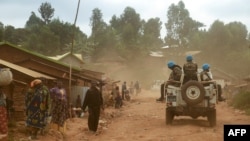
x,y
71,53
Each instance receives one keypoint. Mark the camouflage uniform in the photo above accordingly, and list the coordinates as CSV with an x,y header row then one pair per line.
x,y
175,75
190,70
204,75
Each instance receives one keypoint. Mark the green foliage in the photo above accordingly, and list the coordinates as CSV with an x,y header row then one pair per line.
x,y
127,27
230,36
51,36
101,34
238,35
132,37
218,35
1,31
229,39
241,100
46,11
97,23
180,25
198,40
64,31
43,41
9,33
151,34
33,21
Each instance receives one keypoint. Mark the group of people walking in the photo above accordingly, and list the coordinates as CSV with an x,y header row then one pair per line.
x,y
44,106
190,70
117,95
130,89
42,103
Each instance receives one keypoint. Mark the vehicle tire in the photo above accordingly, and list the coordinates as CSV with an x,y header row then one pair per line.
x,y
169,116
211,117
192,92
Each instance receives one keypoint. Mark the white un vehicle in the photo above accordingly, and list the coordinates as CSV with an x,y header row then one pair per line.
x,y
194,99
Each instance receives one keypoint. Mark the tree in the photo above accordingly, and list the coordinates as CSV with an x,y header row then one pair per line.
x,y
238,35
131,26
128,33
64,31
33,21
180,25
151,33
46,11
198,40
50,42
128,27
1,31
218,36
9,32
99,35
98,26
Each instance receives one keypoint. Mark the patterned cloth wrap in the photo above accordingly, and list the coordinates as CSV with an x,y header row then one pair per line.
x,y
37,103
59,111
3,120
3,114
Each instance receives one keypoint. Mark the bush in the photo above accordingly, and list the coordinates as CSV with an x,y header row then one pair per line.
x,y
241,101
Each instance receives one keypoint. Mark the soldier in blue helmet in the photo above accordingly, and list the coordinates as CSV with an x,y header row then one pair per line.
x,y
175,75
205,76
190,69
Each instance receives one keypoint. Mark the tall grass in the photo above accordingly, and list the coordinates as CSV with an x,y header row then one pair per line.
x,y
242,101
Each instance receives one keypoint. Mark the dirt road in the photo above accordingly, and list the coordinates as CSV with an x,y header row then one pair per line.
x,y
143,119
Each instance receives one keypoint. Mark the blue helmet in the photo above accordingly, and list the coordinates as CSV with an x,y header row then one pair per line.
x,y
171,64
189,58
205,66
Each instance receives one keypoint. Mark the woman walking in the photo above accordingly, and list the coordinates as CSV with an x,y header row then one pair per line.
x,y
3,117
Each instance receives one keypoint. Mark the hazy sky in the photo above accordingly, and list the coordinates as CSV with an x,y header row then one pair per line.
x,y
17,12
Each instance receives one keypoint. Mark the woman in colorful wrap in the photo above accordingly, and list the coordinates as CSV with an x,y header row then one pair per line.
x,y
3,117
60,112
37,102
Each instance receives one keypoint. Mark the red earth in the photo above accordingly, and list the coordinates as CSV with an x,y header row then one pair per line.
x,y
143,119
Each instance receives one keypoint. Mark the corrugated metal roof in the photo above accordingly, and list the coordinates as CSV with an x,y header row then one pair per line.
x,y
59,57
25,70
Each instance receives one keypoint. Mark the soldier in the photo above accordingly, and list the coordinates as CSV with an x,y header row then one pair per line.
x,y
205,76
175,75
190,69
